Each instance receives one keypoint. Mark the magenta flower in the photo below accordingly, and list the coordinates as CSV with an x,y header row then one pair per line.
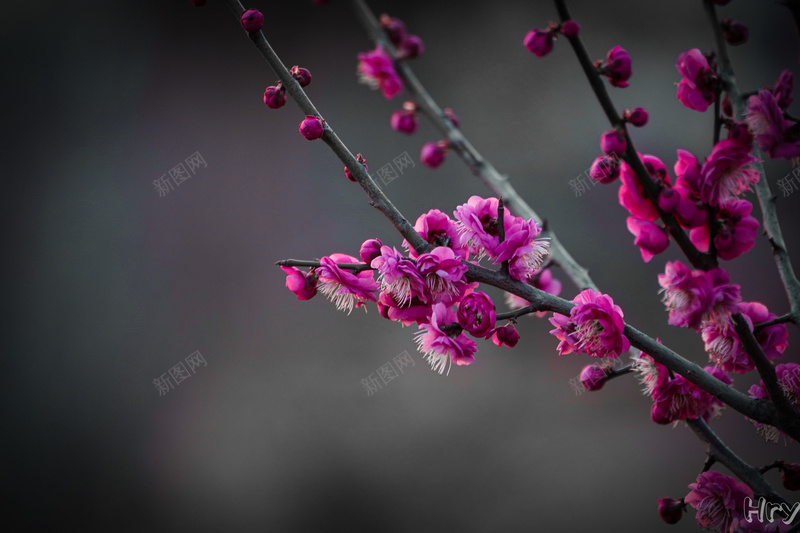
x,y
736,234
275,96
719,500
478,225
690,211
302,75
438,229
782,91
692,296
443,347
524,252
632,195
505,336
342,287
399,276
605,169
789,379
432,154
593,377
651,239
414,311
724,175
676,398
774,134
252,20
594,326
443,274
404,121
636,117
724,347
670,510
312,127
476,314
370,250
570,29
612,142
411,47
696,89
304,285
394,27
618,67
376,69
539,42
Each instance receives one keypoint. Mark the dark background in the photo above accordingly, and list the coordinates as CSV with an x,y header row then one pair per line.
x,y
107,286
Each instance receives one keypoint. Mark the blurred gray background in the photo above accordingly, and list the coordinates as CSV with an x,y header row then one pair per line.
x,y
108,285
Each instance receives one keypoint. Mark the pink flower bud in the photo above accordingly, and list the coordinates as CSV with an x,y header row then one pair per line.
x,y
668,200
505,336
360,159
302,75
198,3
476,314
570,29
790,476
636,117
618,67
538,42
252,20
735,32
670,510
395,29
432,154
659,413
452,116
593,377
275,96
605,169
304,285
412,47
651,239
612,142
404,122
370,250
312,127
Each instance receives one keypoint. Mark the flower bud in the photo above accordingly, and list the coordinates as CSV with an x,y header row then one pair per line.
x,y
505,336
790,476
412,47
370,250
304,285
476,314
404,122
612,142
538,42
659,413
570,29
302,75
432,154
618,67
452,116
312,127
395,29
593,377
735,32
360,159
636,117
275,96
670,510
252,20
604,169
668,200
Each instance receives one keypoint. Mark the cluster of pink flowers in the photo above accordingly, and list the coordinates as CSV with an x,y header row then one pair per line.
x,y
431,289
694,296
774,134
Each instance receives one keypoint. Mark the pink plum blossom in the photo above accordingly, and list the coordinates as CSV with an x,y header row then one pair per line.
x,y
304,285
524,252
444,347
376,69
692,296
505,336
650,238
719,500
724,175
476,314
632,195
443,274
774,134
399,276
438,229
617,67
696,89
736,233
594,326
342,287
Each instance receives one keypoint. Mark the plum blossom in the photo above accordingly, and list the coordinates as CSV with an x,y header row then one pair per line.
x,y
736,233
650,238
774,134
505,336
594,326
524,252
719,500
344,288
632,195
438,229
696,89
617,67
724,176
443,347
476,314
443,274
692,296
376,69
304,285
413,311
399,276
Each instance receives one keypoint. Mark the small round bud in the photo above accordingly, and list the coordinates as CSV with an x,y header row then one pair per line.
x,y
452,116
670,510
538,42
404,122
360,159
668,200
198,3
735,32
593,377
790,476
432,154
395,29
612,142
275,96
412,47
302,75
636,117
312,127
505,336
618,67
570,29
604,169
370,250
252,20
